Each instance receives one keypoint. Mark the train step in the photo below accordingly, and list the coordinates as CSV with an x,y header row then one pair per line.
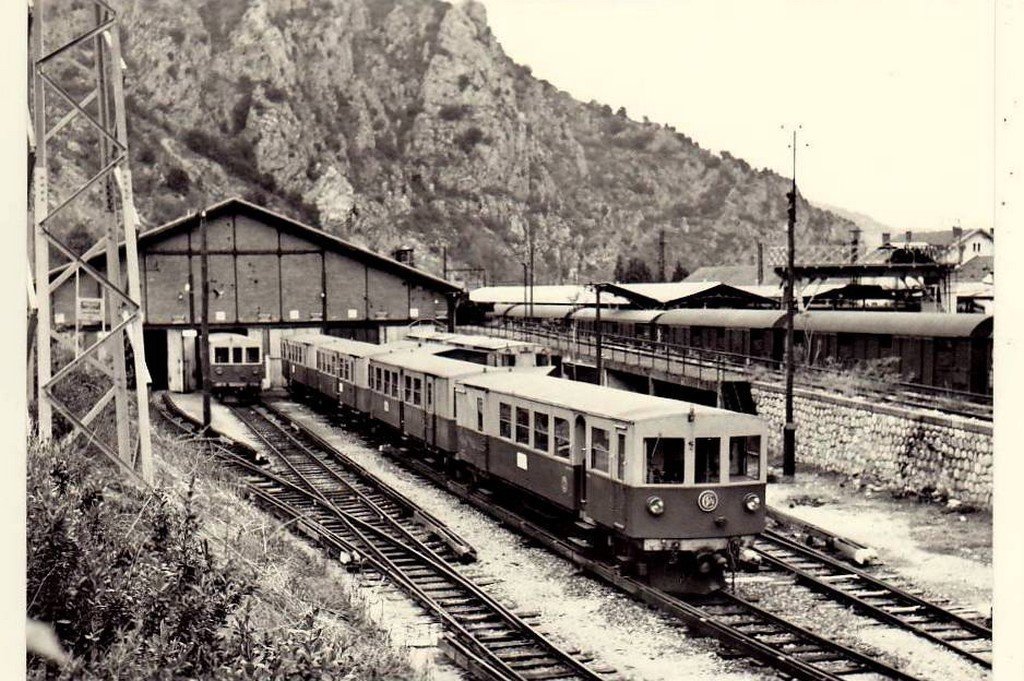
x,y
581,543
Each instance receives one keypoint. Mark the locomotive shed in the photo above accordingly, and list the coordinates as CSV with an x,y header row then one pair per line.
x,y
270,277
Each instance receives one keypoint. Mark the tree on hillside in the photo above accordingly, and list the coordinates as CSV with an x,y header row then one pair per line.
x,y
620,268
636,271
680,272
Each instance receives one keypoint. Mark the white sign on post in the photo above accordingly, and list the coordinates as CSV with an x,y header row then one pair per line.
x,y
89,311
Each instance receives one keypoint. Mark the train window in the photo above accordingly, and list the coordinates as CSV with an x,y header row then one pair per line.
x,y
408,389
522,425
665,462
480,414
220,355
562,447
599,449
745,457
417,391
376,379
543,360
252,355
505,420
540,431
394,384
430,394
508,360
387,382
706,459
620,457
236,355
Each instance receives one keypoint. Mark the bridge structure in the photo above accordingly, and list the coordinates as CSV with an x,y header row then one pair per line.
x,y
658,369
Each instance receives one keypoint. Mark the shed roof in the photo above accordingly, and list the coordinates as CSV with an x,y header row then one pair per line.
x,y
588,398
977,268
239,206
429,363
735,275
744,319
921,324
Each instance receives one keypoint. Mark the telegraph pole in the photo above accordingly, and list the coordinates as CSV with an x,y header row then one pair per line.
x,y
789,430
204,343
661,255
597,337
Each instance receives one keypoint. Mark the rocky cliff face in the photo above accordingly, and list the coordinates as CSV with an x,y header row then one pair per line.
x,y
403,123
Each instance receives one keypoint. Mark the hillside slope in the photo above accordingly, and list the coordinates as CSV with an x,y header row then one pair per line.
x,y
403,123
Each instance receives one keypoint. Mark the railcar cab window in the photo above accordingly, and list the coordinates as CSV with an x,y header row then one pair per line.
x,y
252,355
236,355
377,379
562,446
417,391
408,389
505,420
665,460
522,426
540,431
599,449
707,457
745,457
480,414
220,355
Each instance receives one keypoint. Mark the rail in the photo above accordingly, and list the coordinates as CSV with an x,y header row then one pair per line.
x,y
483,636
876,598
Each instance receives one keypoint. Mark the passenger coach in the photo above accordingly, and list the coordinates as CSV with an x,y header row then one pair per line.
x,y
665,484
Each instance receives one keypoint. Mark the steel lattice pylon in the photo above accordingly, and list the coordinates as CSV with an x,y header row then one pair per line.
x,y
82,117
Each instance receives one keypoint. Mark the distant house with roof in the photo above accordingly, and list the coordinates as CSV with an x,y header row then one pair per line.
x,y
952,246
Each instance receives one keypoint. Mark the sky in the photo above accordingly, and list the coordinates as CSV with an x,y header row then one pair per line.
x,y
894,99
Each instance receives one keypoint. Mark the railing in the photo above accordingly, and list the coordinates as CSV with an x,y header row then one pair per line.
x,y
717,365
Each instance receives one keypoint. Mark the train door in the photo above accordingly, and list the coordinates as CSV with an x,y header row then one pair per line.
x,y
429,414
579,460
619,473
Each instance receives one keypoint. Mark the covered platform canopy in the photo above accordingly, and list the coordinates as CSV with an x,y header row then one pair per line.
x,y
629,316
667,295
567,295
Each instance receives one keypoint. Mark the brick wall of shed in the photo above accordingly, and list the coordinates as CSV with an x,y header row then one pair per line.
x,y
901,448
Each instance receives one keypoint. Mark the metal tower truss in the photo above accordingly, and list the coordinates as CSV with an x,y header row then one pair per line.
x,y
81,185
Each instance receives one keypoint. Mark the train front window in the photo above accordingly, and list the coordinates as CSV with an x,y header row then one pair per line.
x,y
220,355
505,420
540,431
707,457
599,449
562,447
417,391
522,426
665,460
408,389
236,355
745,457
252,355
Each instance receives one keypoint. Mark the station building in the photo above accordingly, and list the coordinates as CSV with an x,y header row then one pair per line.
x,y
269,277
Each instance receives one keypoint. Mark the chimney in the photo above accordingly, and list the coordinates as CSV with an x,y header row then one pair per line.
x,y
909,235
958,233
886,238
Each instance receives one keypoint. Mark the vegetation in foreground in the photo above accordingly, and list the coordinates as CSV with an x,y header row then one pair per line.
x,y
184,582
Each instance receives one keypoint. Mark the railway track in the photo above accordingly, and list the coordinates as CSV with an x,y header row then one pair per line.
x,y
737,623
877,598
368,527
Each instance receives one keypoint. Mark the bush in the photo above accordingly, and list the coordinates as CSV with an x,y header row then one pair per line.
x,y
177,180
453,112
469,139
146,155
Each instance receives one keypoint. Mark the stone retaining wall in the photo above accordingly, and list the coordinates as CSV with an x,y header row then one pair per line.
x,y
902,449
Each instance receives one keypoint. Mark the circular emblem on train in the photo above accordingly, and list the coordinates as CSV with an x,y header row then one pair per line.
x,y
707,501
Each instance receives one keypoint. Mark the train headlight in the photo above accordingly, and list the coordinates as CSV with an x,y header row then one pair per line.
x,y
752,503
655,505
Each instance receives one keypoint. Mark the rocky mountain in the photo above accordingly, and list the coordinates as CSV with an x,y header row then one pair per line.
x,y
403,123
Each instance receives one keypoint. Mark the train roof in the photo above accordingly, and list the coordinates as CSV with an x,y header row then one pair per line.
x,y
722,317
482,342
593,399
540,311
922,324
348,346
428,363
642,316
235,339
429,333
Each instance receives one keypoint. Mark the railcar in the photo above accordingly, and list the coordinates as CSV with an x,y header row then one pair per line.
x,y
236,364
672,490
